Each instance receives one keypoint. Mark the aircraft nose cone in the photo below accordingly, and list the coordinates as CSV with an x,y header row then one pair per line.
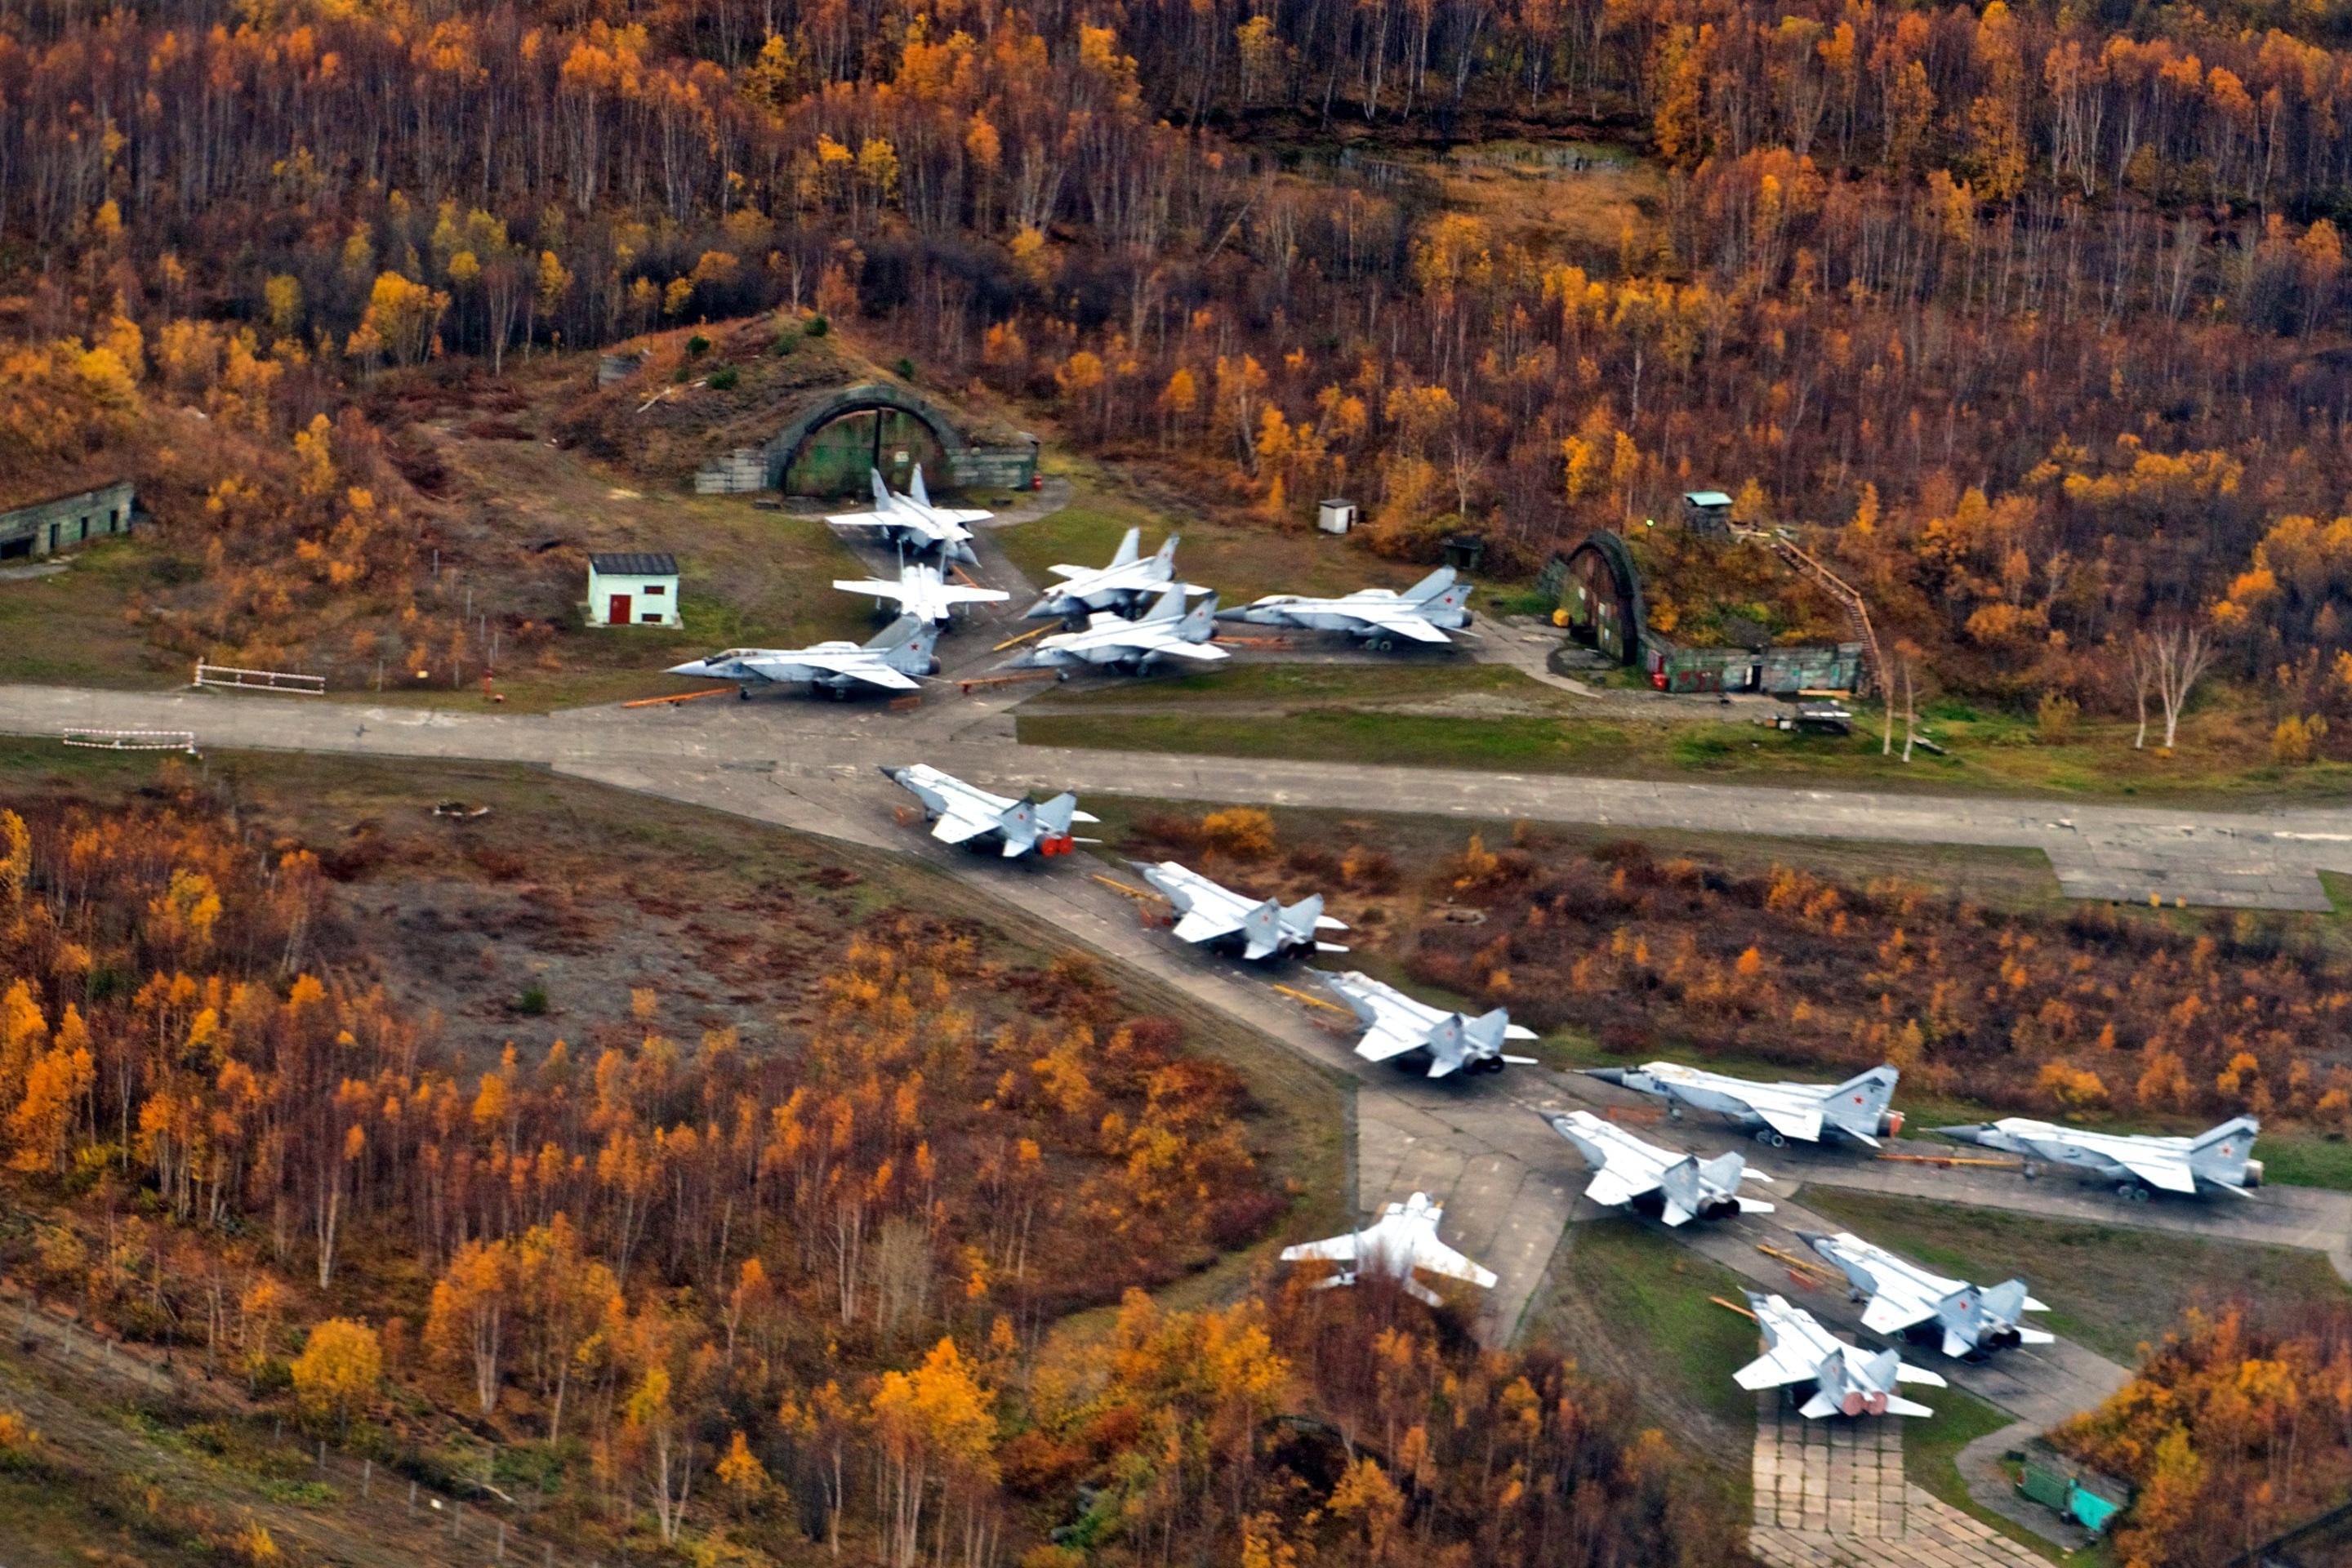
x,y
1039,611
1607,1075
691,667
1812,1238
1971,1130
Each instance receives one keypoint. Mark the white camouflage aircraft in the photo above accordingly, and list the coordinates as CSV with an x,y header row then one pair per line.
x,y
1213,913
1399,1024
1776,1112
1165,631
2217,1161
922,592
1681,1187
1975,1320
963,813
910,520
1847,1380
891,662
1126,582
1402,1240
1381,615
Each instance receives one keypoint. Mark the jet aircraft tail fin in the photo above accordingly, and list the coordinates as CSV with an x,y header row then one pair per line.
x,y
1262,931
1169,606
1198,623
1166,553
1055,816
915,488
2222,1154
881,490
906,645
1859,1104
1127,547
1431,587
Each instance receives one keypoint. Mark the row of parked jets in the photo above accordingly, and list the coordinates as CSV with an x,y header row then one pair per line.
x,y
1965,1321
1130,616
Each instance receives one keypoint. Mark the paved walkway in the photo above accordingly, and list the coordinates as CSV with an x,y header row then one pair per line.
x,y
1832,1494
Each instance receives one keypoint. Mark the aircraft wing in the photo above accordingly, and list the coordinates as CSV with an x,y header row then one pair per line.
x,y
2161,1174
961,518
862,665
1802,1125
1384,1040
1207,652
1337,1249
1612,1187
954,829
1888,1314
1788,1361
865,519
871,585
1403,622
1439,1258
1199,925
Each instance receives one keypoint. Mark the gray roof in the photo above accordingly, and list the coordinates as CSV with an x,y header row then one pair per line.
x,y
635,563
1707,498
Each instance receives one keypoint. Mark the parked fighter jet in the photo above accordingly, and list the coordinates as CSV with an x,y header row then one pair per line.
x,y
964,812
1847,1380
1974,1320
912,522
1378,615
2212,1161
1680,1187
1455,1041
1217,914
889,661
922,592
1776,1111
1402,1240
1166,631
1126,582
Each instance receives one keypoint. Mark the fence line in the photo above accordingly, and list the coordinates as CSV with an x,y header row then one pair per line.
x,y
483,1530
285,682
133,740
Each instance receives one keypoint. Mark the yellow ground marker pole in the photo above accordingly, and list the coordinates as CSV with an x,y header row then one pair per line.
x,y
682,696
1024,636
1804,1267
1734,1307
1310,1001
1115,886
1951,1160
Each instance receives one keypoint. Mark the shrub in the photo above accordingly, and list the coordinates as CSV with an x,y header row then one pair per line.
x,y
1242,831
724,378
2295,739
532,1002
904,369
2053,721
697,346
786,344
815,327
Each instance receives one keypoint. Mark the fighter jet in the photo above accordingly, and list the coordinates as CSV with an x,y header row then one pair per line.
x,y
912,522
1402,1240
1678,1187
1126,582
1165,631
2212,1161
1455,1041
1776,1111
922,592
1975,1320
1847,1380
964,812
891,662
1381,615
1217,914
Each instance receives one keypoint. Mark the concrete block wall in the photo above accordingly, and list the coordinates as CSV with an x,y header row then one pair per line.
x,y
64,521
739,471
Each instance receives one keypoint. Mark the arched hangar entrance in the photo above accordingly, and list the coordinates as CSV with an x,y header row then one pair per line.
x,y
829,448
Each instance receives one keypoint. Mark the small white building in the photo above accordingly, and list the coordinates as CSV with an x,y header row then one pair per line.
x,y
1336,516
633,590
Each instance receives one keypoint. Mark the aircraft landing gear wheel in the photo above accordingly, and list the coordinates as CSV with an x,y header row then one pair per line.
x,y
742,694
1772,1140
2132,1193
1673,1113
1384,645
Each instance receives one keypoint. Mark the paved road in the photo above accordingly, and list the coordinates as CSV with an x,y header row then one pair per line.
x,y
2264,860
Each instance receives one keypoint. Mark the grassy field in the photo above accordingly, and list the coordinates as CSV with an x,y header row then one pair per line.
x,y
69,628
2221,760
2106,1286
1931,1452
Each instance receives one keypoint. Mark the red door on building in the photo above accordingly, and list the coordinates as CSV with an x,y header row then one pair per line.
x,y
616,611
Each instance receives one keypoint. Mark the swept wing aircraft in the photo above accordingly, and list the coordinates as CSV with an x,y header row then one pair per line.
x,y
1265,927
1776,1112
1629,1170
963,813
1381,615
1399,1024
890,662
922,592
1126,582
1847,1380
1402,1240
1165,631
1975,1320
2217,1161
911,521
